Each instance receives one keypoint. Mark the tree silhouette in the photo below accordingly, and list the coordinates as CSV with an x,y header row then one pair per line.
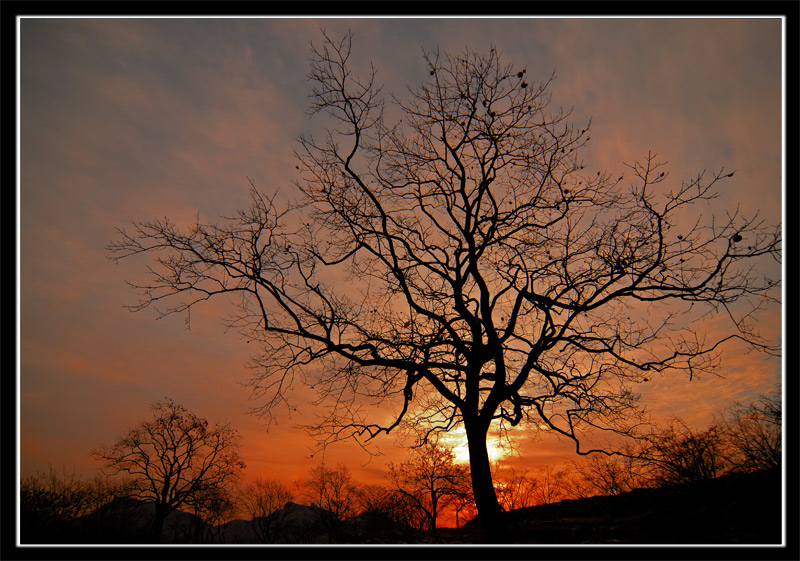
x,y
745,437
334,493
51,503
752,433
679,454
263,500
384,514
550,484
515,489
430,481
611,475
175,459
460,267
211,508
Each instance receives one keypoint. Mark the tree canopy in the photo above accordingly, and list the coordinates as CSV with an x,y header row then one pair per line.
x,y
460,266
430,481
176,459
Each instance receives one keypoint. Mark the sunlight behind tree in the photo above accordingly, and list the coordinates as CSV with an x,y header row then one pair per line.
x,y
461,268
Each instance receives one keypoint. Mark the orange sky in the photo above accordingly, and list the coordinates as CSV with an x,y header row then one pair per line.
x,y
125,119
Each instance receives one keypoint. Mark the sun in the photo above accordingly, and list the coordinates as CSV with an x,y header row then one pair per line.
x,y
456,440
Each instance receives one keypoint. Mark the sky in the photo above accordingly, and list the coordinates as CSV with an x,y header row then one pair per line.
x,y
128,119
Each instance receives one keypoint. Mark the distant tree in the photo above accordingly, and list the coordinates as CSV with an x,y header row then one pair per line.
x,y
51,502
515,488
334,494
677,453
613,475
382,514
752,433
459,267
430,480
550,487
212,507
464,506
373,498
576,486
176,459
744,437
263,500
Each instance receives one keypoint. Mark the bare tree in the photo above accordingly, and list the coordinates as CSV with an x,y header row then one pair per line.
x,y
515,489
550,486
679,454
465,508
520,489
175,459
383,514
51,503
752,433
430,481
744,437
212,507
263,500
613,475
576,486
334,494
460,267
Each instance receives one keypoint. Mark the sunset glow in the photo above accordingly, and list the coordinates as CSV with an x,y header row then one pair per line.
x,y
125,120
456,440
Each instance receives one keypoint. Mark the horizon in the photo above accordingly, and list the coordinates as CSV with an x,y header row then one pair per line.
x,y
125,120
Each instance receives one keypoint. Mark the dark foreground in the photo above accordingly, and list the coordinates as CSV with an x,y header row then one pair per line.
x,y
734,509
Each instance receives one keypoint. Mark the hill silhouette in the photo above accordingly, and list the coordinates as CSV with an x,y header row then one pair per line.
x,y
733,509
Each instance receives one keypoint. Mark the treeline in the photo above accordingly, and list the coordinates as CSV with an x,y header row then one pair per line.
x,y
329,506
61,507
743,438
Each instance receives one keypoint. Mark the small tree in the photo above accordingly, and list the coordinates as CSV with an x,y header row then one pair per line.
x,y
334,494
465,508
175,459
51,502
211,508
460,268
430,481
679,454
515,489
752,433
550,484
612,475
383,514
576,486
263,500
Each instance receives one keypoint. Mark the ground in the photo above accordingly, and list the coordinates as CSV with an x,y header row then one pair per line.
x,y
735,509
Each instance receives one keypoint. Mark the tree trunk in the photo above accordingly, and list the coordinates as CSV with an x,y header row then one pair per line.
x,y
158,523
482,487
